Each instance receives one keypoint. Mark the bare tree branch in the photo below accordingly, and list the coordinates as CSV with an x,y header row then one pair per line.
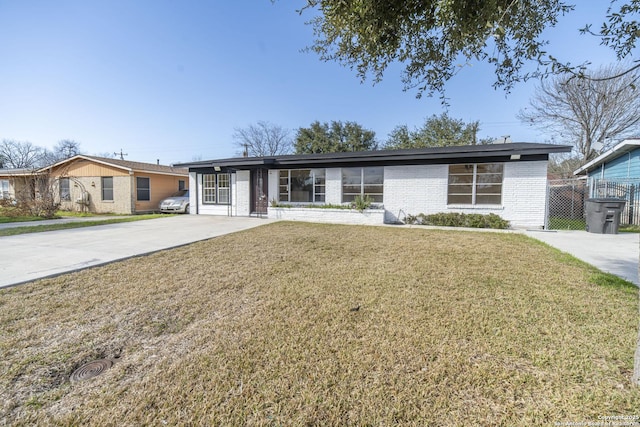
x,y
263,139
585,112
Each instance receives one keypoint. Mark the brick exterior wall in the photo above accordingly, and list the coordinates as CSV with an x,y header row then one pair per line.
x,y
423,189
122,199
409,190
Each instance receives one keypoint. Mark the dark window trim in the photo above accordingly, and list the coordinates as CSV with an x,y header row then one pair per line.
x,y
147,188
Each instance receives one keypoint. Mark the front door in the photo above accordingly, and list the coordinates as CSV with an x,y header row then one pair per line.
x,y
259,191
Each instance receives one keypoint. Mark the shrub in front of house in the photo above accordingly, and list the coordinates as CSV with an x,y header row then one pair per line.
x,y
456,219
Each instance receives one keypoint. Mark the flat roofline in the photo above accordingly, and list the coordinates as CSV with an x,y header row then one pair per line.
x,y
387,157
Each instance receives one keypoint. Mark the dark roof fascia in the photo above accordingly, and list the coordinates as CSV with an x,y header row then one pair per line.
x,y
441,155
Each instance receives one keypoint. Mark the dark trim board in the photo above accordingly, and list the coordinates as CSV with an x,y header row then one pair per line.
x,y
514,152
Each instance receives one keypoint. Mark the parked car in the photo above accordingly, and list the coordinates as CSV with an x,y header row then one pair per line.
x,y
178,202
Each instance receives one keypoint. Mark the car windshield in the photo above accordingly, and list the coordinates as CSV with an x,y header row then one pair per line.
x,y
181,193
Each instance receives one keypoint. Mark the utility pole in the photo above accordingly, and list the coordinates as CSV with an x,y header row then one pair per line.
x,y
121,154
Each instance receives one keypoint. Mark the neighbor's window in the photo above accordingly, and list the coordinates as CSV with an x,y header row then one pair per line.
x,y
216,188
362,182
302,185
65,192
143,189
4,188
107,188
180,184
475,184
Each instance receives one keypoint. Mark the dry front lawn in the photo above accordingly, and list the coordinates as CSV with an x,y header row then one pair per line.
x,y
261,328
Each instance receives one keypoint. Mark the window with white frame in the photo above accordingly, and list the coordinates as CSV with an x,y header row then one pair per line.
x,y
363,182
475,184
216,188
223,188
302,185
4,188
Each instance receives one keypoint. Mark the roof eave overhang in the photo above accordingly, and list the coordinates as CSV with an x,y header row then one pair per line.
x,y
504,153
622,148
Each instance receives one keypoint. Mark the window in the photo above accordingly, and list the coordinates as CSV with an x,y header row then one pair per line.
x,y
180,184
302,185
143,189
475,184
107,188
362,182
4,188
223,189
216,188
65,192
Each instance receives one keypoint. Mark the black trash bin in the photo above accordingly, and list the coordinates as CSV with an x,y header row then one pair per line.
x,y
603,215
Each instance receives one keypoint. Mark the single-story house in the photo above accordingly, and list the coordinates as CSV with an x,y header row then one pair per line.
x,y
16,183
505,179
104,185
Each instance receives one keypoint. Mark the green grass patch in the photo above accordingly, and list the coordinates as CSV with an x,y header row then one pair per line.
x,y
10,219
332,325
68,225
556,223
629,229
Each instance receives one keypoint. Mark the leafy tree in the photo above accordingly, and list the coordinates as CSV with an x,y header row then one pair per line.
x,y
589,113
262,139
433,37
437,131
16,154
334,137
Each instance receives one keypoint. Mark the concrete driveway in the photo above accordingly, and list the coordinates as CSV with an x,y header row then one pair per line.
x,y
27,257
613,253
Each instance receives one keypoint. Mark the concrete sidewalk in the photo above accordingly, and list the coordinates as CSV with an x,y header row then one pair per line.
x,y
28,257
613,253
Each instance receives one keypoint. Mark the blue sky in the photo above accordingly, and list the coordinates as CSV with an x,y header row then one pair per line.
x,y
171,80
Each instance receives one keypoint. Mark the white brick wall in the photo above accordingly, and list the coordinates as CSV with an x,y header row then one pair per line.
x,y
423,189
331,216
412,190
242,194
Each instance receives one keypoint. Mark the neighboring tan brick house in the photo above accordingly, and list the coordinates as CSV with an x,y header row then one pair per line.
x,y
509,180
16,183
104,185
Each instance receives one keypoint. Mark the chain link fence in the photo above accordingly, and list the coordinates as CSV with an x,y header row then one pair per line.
x,y
566,201
565,204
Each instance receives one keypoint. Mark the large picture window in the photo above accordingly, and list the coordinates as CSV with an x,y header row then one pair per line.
x,y
143,189
302,185
107,188
362,182
216,188
475,184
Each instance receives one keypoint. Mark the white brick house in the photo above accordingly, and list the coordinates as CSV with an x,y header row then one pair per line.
x,y
506,179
